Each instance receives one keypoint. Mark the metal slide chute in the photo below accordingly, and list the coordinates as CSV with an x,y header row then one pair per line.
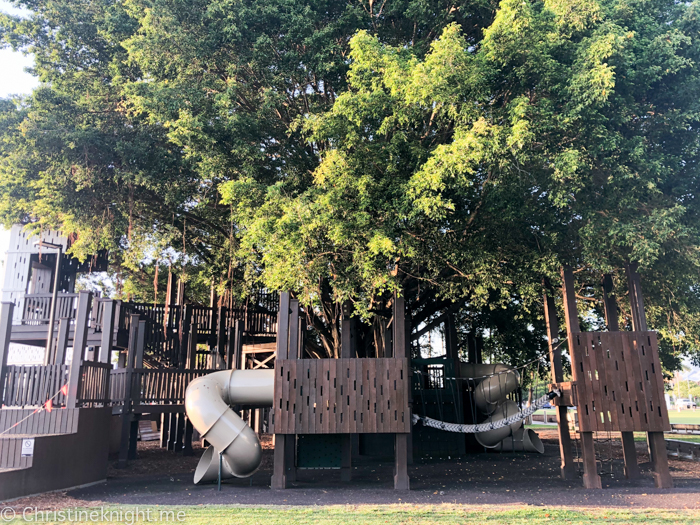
x,y
208,402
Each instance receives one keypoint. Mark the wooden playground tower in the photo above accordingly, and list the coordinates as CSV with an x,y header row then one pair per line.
x,y
616,386
617,382
339,397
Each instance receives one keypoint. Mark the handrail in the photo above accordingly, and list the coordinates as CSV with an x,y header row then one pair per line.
x,y
33,385
37,307
155,386
94,384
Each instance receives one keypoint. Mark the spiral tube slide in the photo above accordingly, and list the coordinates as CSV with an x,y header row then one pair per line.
x,y
208,401
522,440
493,383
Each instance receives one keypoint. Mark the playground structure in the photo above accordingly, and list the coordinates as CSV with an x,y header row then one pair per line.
x,y
245,371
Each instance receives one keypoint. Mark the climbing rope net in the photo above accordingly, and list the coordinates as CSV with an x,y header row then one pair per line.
x,y
446,392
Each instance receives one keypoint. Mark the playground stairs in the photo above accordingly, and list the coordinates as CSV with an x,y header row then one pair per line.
x,y
44,450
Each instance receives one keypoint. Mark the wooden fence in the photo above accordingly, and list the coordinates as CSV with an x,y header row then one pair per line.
x,y
93,389
37,307
151,386
32,385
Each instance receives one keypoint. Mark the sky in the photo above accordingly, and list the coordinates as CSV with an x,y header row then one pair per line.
x,y
14,80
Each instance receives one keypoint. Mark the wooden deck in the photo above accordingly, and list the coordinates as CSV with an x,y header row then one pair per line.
x,y
168,327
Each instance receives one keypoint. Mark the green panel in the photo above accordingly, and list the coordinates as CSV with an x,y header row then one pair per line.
x,y
434,443
319,450
437,396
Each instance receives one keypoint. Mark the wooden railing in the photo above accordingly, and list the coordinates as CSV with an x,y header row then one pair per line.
x,y
33,385
117,386
99,385
162,340
151,386
93,389
37,307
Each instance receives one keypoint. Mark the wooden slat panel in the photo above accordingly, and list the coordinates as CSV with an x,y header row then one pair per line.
x,y
303,367
333,415
352,393
349,396
618,373
628,356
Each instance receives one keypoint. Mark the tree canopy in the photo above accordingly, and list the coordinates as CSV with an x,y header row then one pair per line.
x,y
458,153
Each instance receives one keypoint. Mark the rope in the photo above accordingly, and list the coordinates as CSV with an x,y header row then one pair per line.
x,y
45,406
485,427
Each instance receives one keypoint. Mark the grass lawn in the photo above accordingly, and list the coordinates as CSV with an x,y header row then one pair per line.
x,y
385,514
684,416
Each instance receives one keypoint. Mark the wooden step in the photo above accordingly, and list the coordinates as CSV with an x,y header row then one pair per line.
x,y
148,431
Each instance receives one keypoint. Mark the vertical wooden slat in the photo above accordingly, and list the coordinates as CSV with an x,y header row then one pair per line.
x,y
353,392
305,397
333,414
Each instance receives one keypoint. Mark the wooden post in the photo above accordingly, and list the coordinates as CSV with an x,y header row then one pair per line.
x,y
279,479
639,318
192,348
348,330
662,476
79,341
283,327
184,333
221,333
213,317
281,463
180,432
238,346
474,348
591,479
6,311
655,440
140,345
293,343
133,340
172,432
62,340
451,341
127,415
347,350
107,332
133,435
302,336
610,305
629,453
180,295
187,446
292,353
164,427
401,479
568,471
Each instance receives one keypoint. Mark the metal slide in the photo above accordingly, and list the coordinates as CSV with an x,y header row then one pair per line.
x,y
493,383
208,402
